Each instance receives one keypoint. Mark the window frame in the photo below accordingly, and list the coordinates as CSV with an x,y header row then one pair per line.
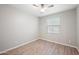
x,y
53,25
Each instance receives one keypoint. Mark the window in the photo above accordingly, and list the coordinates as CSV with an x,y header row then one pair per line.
x,y
53,24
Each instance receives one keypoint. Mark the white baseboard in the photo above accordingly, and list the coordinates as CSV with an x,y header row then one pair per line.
x,y
62,43
17,46
78,49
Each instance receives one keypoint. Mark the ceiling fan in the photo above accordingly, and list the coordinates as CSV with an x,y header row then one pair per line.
x,y
43,6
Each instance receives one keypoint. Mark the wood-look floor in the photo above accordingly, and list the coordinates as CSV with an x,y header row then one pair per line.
x,y
42,47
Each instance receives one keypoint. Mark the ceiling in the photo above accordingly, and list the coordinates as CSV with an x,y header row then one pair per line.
x,y
29,8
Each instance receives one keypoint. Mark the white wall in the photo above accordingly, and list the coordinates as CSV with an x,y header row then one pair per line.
x,y
16,27
78,26
67,33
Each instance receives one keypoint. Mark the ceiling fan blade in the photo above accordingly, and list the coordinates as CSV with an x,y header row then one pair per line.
x,y
35,5
50,6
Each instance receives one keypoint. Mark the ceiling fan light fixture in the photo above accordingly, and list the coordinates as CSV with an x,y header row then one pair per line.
x,y
43,6
43,9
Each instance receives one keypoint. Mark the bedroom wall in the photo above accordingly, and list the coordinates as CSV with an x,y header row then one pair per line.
x,y
78,27
67,33
16,27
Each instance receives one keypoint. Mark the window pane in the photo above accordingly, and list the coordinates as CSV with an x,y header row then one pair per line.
x,y
53,29
56,29
50,29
